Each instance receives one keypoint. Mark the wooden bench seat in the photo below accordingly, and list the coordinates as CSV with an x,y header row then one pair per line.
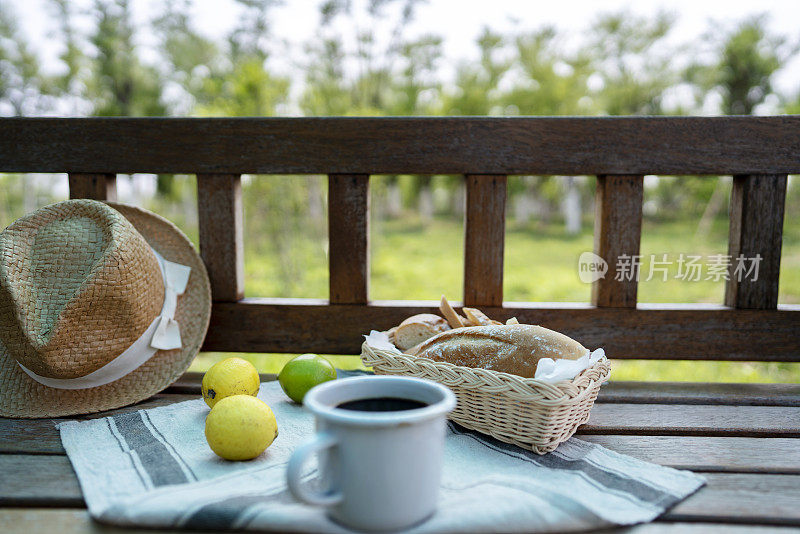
x,y
749,451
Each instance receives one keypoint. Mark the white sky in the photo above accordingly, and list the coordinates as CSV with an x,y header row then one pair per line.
x,y
458,22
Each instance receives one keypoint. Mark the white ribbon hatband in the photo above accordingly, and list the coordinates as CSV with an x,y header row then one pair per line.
x,y
162,334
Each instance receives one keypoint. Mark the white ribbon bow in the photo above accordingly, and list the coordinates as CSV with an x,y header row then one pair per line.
x,y
168,334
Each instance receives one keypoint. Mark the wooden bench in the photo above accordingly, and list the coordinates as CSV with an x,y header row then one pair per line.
x,y
745,438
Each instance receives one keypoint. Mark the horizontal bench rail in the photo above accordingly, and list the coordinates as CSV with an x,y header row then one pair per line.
x,y
431,145
693,332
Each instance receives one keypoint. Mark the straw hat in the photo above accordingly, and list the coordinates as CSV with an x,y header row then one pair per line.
x,y
101,305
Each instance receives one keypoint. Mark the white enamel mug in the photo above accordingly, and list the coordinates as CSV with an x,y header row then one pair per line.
x,y
378,471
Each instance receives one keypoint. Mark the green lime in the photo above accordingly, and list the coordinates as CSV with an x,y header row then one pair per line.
x,y
302,373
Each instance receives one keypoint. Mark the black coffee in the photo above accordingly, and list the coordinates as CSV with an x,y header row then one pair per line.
x,y
382,404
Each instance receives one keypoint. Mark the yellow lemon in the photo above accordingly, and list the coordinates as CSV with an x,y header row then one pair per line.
x,y
232,376
240,427
303,373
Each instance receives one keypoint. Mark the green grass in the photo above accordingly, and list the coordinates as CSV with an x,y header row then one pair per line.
x,y
412,261
268,363
702,371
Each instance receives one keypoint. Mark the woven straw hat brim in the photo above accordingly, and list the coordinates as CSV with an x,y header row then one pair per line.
x,y
21,396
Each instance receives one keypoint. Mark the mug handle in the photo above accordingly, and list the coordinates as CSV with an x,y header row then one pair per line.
x,y
300,456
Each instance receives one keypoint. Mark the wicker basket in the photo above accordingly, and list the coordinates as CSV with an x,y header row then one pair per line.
x,y
527,412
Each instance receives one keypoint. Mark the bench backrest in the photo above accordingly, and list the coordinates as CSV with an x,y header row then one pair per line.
x,y
758,151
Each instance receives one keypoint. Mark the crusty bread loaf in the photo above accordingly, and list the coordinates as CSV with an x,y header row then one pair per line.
x,y
515,348
417,329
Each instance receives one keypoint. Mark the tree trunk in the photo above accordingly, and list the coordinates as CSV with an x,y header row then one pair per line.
x,y
315,201
572,206
525,202
394,200
713,208
426,203
523,207
188,204
459,199
28,192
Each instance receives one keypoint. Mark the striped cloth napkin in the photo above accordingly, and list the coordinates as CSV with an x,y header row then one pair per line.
x,y
153,468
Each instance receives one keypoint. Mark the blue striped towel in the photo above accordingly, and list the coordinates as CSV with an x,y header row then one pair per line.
x,y
153,468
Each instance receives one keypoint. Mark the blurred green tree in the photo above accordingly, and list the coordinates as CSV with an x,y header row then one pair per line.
x,y
744,63
120,84
632,61
326,92
24,88
229,80
551,80
190,57
476,90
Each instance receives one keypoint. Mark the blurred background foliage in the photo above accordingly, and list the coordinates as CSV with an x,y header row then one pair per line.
x,y
622,64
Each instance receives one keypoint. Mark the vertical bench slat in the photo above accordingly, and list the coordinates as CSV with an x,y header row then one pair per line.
x,y
94,186
617,232
484,240
220,222
348,237
756,228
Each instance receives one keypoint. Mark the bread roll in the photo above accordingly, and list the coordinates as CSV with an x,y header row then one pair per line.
x,y
515,348
417,329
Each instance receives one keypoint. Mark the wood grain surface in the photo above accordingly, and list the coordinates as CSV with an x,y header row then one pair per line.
x,y
348,235
484,238
30,480
770,499
45,520
220,221
617,233
707,453
736,394
743,498
756,230
631,392
95,186
694,332
698,420
40,436
750,481
399,145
